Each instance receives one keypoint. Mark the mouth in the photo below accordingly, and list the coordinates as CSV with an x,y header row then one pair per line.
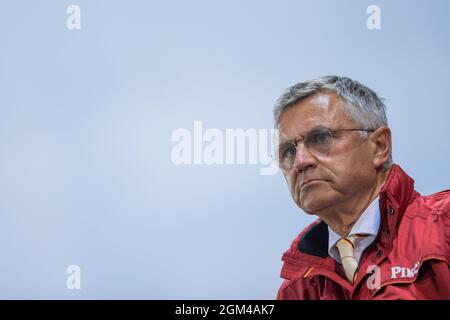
x,y
307,182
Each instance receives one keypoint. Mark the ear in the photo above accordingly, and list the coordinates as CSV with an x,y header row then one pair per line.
x,y
382,146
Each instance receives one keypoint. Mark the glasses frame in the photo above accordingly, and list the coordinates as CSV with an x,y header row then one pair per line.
x,y
296,141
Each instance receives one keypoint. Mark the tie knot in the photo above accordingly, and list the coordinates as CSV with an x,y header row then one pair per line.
x,y
355,238
346,246
346,243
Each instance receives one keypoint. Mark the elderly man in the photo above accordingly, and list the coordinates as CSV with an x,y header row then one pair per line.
x,y
376,237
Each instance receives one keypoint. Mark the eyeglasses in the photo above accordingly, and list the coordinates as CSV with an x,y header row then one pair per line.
x,y
318,141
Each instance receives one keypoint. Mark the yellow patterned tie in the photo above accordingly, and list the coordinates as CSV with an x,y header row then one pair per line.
x,y
346,248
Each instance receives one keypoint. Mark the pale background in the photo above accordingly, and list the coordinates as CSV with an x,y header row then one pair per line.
x,y
86,117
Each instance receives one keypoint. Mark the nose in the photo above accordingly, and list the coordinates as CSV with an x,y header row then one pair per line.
x,y
304,159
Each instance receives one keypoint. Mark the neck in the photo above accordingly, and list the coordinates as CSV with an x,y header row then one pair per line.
x,y
342,217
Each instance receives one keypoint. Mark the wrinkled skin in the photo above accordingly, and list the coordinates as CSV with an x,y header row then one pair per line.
x,y
348,177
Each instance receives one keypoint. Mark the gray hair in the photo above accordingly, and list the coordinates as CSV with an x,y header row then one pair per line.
x,y
362,104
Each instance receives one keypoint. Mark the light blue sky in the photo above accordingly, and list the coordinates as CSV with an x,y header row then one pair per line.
x,y
86,118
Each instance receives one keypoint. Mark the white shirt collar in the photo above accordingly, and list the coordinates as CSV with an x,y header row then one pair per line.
x,y
367,223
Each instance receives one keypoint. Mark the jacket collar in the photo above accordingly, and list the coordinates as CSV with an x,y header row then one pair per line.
x,y
310,248
395,196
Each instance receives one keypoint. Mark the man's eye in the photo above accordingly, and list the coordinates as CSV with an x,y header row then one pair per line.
x,y
288,152
319,138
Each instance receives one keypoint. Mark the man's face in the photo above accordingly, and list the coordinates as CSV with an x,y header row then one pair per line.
x,y
342,174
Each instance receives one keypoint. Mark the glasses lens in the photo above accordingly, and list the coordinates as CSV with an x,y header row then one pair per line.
x,y
319,141
286,155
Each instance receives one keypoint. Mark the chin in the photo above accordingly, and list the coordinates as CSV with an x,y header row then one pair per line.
x,y
308,212
308,209
312,205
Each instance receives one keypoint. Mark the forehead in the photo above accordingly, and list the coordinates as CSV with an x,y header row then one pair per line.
x,y
322,108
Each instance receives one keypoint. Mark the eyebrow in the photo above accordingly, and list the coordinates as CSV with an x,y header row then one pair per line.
x,y
317,127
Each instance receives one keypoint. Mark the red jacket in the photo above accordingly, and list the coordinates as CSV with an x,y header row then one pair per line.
x,y
410,258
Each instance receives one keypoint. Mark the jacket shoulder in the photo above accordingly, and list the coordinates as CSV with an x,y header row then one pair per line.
x,y
434,204
424,230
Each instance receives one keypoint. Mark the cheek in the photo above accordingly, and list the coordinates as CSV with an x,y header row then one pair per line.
x,y
347,167
355,157
351,175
